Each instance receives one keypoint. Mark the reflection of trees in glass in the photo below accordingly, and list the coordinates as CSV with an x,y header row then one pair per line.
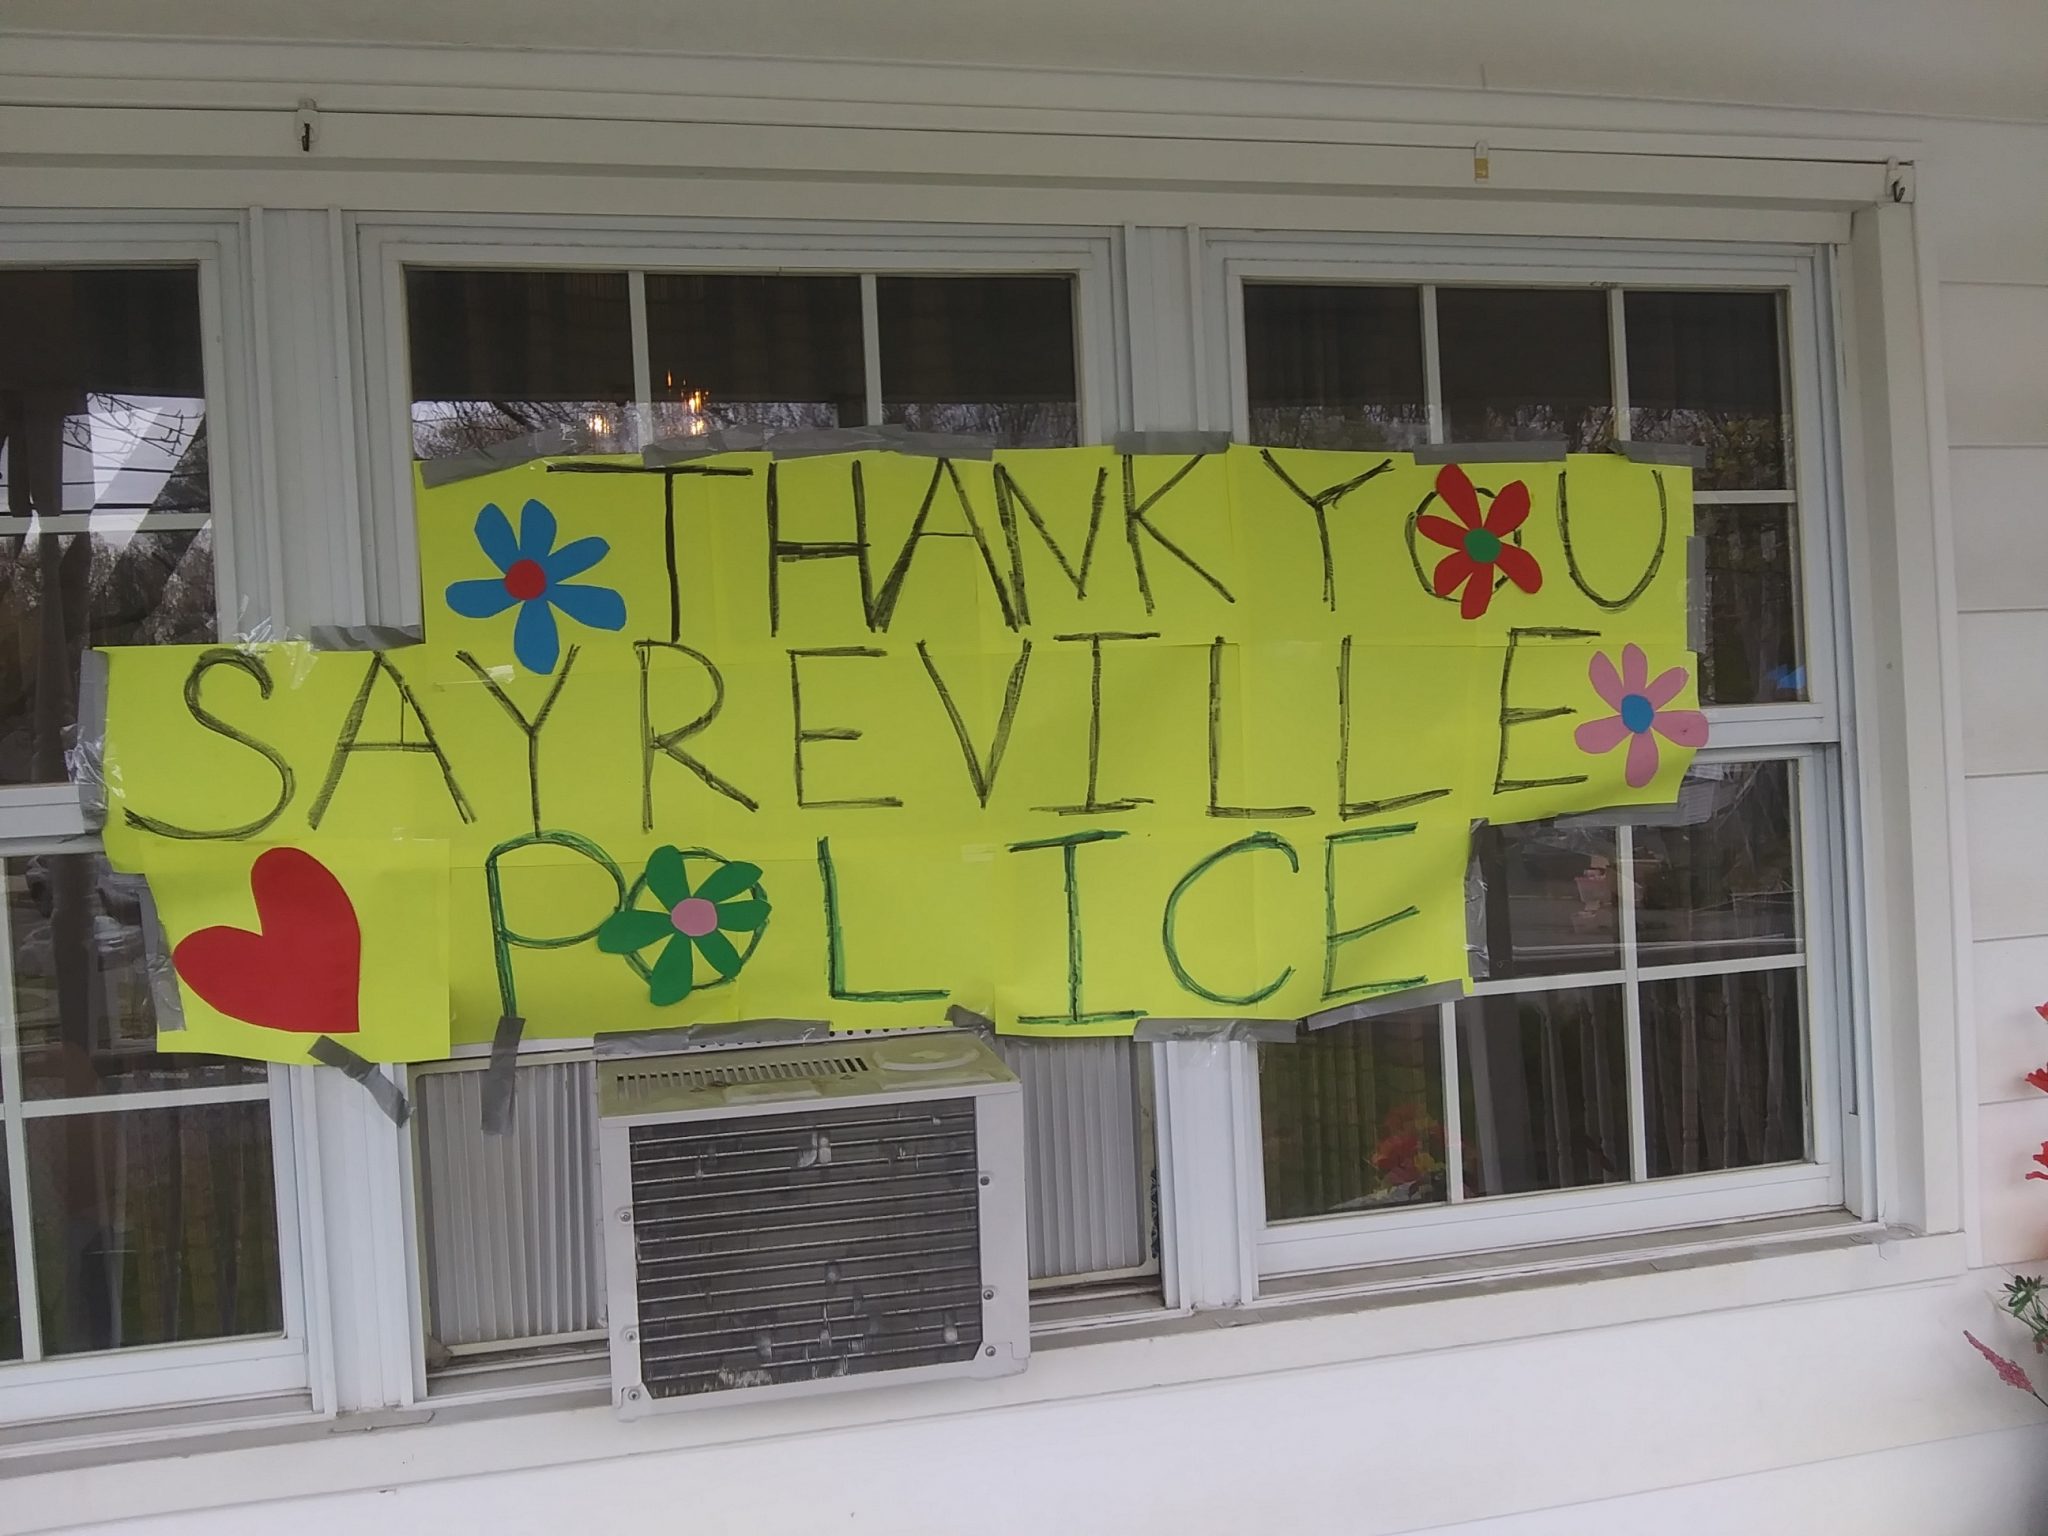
x,y
1007,423
1744,452
1356,427
443,428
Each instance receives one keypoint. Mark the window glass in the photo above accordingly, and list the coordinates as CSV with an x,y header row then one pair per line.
x,y
83,958
1543,1086
987,355
1703,368
1540,900
1523,364
498,355
154,1226
1724,883
1352,1117
1334,366
1724,1084
105,499
772,353
1754,650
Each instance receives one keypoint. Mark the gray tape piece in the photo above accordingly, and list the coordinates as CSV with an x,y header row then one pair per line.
x,y
1695,594
1170,442
939,445
1152,1031
1387,1002
366,637
88,754
501,1077
1490,453
680,450
166,1002
1697,800
488,461
706,1037
1663,453
330,1052
967,1018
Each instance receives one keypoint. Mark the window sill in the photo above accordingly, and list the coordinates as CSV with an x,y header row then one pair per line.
x,y
1347,1319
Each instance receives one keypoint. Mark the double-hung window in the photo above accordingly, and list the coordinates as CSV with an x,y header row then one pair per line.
x,y
147,1200
1658,1033
1001,341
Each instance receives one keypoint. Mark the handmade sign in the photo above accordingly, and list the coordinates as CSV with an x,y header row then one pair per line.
x,y
1067,738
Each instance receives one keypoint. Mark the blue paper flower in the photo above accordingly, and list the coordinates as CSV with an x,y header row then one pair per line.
x,y
535,575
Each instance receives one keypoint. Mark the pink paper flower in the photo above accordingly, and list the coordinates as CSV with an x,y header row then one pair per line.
x,y
1639,715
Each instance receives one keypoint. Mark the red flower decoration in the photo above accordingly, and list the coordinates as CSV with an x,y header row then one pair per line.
x,y
2038,1078
2041,1009
2041,1157
1479,544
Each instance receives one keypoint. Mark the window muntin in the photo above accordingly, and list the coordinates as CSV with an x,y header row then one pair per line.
x,y
105,490
1643,993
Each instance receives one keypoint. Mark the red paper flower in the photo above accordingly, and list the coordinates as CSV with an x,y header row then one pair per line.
x,y
1479,544
2041,1157
2041,1009
2038,1078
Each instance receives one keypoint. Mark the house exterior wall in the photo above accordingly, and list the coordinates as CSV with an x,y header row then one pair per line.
x,y
1790,1392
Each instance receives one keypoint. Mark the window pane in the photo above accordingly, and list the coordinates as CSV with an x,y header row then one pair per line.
x,y
497,355
1540,900
1754,653
777,354
154,1226
990,355
1727,883
10,1298
82,1003
1724,1085
1351,1117
104,530
1543,1081
1520,364
1331,366
1703,368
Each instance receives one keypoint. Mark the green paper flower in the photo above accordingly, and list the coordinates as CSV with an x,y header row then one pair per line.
x,y
690,923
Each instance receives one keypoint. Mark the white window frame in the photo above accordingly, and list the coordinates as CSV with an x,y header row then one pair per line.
x,y
47,819
1216,1096
383,248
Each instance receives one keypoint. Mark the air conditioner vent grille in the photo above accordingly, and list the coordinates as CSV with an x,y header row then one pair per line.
x,y
799,1246
653,1081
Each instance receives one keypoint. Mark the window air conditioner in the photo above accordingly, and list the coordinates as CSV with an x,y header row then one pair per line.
x,y
804,1218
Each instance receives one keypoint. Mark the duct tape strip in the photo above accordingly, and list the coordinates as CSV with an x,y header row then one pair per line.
x,y
488,461
1215,1031
1490,453
711,1037
1663,453
166,1002
501,1077
330,1052
680,450
88,754
1695,594
1390,1002
968,1019
366,637
1170,442
1694,807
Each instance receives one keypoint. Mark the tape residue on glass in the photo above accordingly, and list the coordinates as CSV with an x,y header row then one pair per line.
x,y
1064,738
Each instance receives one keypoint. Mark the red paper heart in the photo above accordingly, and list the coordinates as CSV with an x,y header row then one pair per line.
x,y
300,973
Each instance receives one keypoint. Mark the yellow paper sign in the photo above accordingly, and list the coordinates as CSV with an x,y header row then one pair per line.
x,y
1068,738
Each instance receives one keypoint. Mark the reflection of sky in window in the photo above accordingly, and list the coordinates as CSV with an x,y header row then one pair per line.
x,y
118,460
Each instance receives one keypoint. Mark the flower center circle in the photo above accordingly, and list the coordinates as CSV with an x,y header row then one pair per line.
x,y
526,580
694,916
1483,546
1637,713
